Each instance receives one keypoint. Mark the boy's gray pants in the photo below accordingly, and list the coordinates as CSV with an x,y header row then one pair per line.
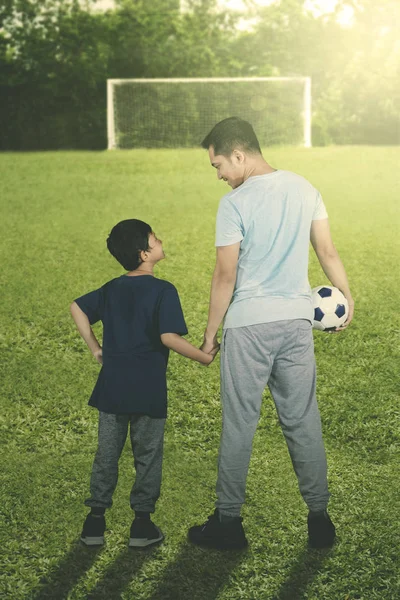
x,y
280,355
147,438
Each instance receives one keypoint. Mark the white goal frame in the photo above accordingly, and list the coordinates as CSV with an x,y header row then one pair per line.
x,y
306,98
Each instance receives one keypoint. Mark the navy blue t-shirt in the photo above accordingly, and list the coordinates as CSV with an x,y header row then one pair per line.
x,y
135,311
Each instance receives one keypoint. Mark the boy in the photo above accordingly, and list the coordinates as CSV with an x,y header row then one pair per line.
x,y
142,319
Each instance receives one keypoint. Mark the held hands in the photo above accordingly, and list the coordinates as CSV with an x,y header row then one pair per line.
x,y
210,347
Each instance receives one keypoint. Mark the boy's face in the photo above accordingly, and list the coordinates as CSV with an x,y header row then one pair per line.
x,y
156,249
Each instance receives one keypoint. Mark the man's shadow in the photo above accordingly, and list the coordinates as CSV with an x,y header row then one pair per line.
x,y
302,573
201,574
197,573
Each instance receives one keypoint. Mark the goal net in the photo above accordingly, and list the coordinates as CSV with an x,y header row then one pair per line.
x,y
174,113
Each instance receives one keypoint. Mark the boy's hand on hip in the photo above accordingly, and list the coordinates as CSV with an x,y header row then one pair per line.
x,y
98,354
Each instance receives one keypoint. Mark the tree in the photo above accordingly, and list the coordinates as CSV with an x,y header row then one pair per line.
x,y
370,78
158,40
55,58
355,70
56,55
53,66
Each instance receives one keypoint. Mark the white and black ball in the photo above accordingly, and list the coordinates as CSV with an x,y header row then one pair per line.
x,y
331,308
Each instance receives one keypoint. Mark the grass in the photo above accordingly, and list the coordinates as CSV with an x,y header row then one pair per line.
x,y
57,210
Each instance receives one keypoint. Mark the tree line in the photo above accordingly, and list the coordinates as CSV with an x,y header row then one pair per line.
x,y
56,56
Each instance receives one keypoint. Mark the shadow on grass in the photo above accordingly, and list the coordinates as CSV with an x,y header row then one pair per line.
x,y
197,573
75,564
302,574
79,560
120,573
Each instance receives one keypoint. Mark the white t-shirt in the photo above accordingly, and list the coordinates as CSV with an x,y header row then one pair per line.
x,y
271,216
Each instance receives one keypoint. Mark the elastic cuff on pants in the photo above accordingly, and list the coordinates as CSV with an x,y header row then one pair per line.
x,y
318,509
141,514
143,510
91,503
225,517
97,510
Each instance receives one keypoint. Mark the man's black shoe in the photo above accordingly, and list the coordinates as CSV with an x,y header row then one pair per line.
x,y
221,535
321,530
93,530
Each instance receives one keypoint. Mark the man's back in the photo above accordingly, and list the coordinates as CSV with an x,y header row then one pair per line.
x,y
271,215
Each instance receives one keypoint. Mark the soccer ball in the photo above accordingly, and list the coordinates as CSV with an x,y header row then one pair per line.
x,y
331,308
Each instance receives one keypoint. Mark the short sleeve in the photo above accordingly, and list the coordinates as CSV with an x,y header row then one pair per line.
x,y
229,226
91,305
320,210
170,315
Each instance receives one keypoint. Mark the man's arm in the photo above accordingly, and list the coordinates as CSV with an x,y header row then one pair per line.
x,y
83,325
330,262
222,286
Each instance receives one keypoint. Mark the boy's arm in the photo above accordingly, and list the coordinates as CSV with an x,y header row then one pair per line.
x,y
330,262
181,346
83,325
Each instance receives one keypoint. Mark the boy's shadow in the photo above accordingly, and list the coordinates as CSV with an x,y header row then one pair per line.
x,y
118,576
73,566
79,560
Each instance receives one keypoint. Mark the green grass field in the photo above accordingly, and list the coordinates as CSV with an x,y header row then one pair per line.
x,y
57,210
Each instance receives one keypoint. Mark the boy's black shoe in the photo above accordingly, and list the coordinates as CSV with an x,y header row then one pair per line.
x,y
321,530
227,535
93,530
144,533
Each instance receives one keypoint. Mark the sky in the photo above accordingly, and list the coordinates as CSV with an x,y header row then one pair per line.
x,y
318,6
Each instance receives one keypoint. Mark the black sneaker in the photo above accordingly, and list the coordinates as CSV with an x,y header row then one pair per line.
x,y
321,530
144,533
215,534
93,530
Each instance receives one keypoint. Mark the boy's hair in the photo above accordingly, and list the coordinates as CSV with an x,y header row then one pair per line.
x,y
126,241
229,134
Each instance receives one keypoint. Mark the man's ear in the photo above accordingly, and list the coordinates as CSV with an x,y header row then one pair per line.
x,y
238,156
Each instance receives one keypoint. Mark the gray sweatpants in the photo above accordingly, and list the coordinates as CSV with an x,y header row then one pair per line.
x,y
280,355
147,438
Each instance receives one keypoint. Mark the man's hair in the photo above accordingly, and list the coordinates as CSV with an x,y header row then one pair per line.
x,y
126,241
232,133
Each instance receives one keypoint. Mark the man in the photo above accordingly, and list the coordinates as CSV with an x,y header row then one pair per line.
x,y
263,229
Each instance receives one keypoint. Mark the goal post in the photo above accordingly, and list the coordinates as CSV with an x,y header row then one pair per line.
x,y
172,113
